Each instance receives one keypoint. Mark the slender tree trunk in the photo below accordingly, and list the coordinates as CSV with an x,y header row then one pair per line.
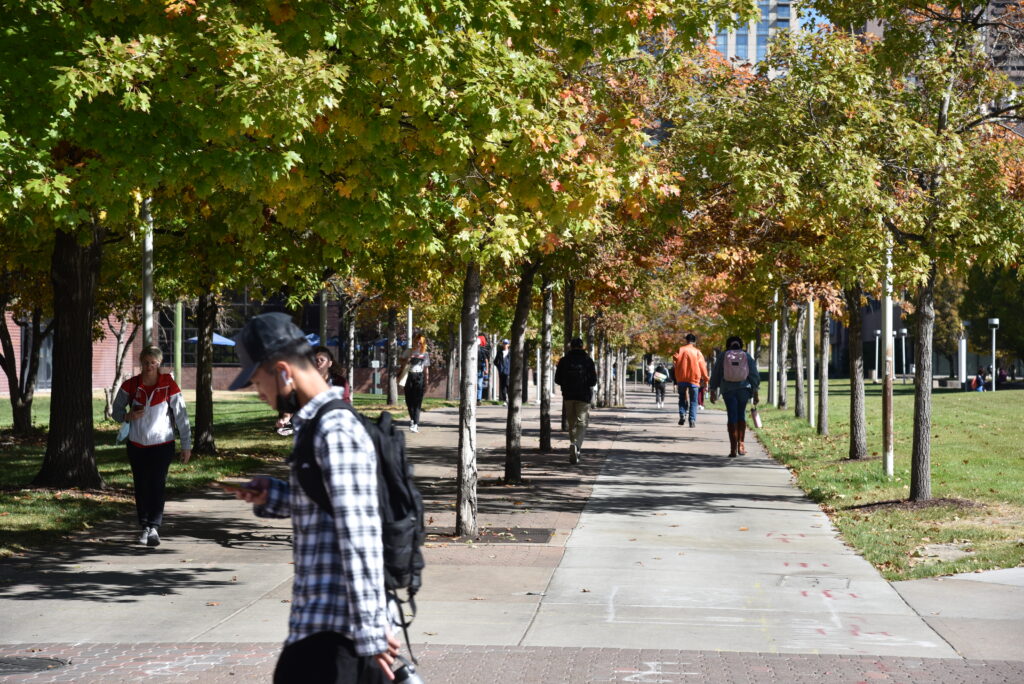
x,y
22,388
466,504
203,441
547,289
801,323
826,350
392,356
525,372
783,351
858,420
921,458
568,321
70,459
350,351
122,346
519,370
453,356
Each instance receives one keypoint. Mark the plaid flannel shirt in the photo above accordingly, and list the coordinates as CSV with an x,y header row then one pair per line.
x,y
339,559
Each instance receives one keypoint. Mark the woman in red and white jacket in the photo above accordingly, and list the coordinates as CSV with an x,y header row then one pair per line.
x,y
155,400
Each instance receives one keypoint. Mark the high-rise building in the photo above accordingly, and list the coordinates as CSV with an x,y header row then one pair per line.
x,y
1003,40
750,43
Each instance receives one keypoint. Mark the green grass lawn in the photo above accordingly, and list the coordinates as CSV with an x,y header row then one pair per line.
x,y
245,443
977,478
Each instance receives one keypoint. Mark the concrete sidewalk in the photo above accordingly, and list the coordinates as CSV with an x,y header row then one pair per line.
x,y
656,551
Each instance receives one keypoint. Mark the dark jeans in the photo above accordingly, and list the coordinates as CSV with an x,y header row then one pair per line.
x,y
503,386
659,391
736,404
688,400
326,658
414,390
149,473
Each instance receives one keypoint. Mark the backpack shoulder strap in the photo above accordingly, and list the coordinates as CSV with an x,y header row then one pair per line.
x,y
303,460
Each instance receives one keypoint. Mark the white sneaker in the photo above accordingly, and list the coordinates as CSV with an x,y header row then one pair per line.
x,y
154,537
699,407
413,427
144,537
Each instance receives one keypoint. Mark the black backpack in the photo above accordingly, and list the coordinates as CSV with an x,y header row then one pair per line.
x,y
401,505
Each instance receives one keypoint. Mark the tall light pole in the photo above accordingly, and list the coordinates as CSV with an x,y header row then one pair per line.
x,y
903,347
994,324
962,359
874,372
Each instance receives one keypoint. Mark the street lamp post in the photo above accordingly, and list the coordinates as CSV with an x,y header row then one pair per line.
x,y
878,334
903,348
994,324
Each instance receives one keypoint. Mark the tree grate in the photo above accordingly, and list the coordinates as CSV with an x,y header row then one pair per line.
x,y
15,665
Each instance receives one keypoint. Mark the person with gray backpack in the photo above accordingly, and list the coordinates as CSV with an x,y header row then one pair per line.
x,y
736,376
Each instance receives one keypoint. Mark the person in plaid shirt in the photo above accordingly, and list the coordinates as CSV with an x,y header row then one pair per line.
x,y
338,630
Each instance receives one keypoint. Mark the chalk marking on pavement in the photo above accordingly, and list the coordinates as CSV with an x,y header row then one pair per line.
x,y
173,668
654,670
610,613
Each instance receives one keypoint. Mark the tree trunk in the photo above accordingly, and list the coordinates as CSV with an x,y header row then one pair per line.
x,y
547,289
466,505
350,351
392,357
22,388
826,350
122,348
801,323
203,441
858,421
921,458
453,356
525,372
783,352
568,321
518,373
70,459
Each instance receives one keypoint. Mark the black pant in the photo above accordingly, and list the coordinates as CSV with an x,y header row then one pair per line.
x,y
326,658
414,389
503,386
149,473
659,391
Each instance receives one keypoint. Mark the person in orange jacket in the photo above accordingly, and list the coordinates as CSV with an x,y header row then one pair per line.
x,y
691,374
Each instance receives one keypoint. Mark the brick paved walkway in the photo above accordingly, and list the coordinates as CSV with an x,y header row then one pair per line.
x,y
227,662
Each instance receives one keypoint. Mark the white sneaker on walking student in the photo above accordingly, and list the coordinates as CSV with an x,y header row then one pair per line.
x,y
154,537
144,537
413,427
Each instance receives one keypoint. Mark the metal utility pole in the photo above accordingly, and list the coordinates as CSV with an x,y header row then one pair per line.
x,y
178,335
147,272
994,324
889,367
812,415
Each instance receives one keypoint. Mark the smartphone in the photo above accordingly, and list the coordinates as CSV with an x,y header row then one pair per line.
x,y
235,487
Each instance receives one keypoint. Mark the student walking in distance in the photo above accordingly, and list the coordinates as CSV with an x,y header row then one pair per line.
x,y
417,358
576,375
659,376
691,373
736,376
338,630
503,366
154,398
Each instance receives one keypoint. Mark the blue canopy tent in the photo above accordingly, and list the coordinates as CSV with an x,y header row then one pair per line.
x,y
217,339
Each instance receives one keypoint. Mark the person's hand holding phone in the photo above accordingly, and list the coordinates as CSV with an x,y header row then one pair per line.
x,y
255,491
136,412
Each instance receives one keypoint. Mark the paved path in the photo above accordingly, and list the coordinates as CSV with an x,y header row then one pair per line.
x,y
656,560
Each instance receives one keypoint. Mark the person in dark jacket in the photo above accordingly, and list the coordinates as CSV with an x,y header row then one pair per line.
x,y
576,375
738,385
503,366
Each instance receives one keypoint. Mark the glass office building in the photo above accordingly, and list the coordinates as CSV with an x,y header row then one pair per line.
x,y
750,43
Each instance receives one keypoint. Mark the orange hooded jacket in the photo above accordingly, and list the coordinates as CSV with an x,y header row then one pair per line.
x,y
690,365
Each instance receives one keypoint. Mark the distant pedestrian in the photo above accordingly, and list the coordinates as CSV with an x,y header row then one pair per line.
x,y
659,376
155,400
576,375
338,630
417,358
503,366
483,367
736,376
330,370
691,373
978,382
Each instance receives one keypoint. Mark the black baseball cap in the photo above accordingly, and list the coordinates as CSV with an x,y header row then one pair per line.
x,y
262,337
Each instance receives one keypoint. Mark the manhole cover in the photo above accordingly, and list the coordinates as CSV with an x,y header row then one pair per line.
x,y
812,582
10,666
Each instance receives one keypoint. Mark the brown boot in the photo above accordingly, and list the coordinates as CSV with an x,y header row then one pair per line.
x,y
732,440
741,434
